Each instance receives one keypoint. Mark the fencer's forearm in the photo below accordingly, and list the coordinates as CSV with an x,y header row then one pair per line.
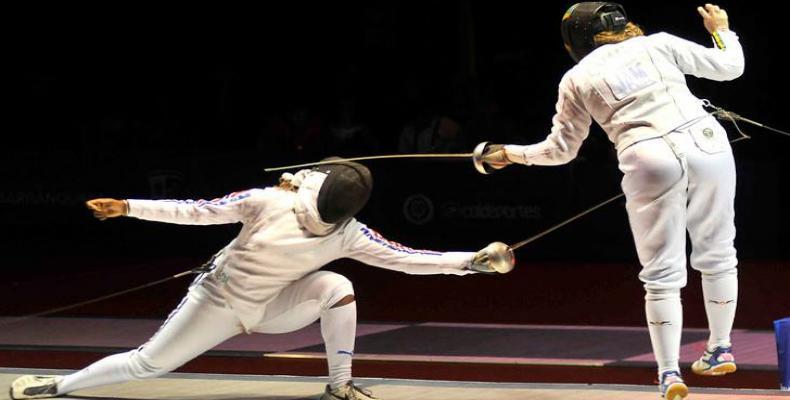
x,y
733,61
543,153
722,62
450,263
177,212
420,262
368,246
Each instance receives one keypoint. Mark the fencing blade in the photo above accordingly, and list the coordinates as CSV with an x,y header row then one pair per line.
x,y
382,157
204,268
566,222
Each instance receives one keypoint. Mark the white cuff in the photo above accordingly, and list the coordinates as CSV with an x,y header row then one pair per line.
x,y
722,37
517,154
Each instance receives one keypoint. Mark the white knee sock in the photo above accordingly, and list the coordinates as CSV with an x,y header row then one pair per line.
x,y
665,322
108,370
339,329
721,299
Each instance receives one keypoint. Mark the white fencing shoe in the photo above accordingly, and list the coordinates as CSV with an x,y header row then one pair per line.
x,y
34,387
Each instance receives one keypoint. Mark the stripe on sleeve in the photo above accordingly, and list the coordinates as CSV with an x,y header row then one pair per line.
x,y
375,237
220,201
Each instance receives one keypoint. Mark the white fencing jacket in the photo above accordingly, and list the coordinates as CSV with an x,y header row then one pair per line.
x,y
635,90
272,250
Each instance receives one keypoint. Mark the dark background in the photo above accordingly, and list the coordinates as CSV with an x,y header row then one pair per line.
x,y
141,101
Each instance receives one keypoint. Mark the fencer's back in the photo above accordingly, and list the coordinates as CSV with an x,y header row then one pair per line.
x,y
636,89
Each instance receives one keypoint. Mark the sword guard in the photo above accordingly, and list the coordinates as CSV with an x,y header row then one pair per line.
x,y
497,257
477,158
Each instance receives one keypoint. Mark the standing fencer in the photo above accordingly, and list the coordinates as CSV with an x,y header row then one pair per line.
x,y
266,280
678,167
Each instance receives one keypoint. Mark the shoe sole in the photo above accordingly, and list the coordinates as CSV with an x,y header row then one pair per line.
x,y
721,369
677,391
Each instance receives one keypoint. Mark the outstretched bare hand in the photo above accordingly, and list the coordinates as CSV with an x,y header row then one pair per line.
x,y
107,208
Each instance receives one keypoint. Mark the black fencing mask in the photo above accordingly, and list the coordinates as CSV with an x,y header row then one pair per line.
x,y
583,21
345,190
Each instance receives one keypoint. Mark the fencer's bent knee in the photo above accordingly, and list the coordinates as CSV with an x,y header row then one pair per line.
x,y
348,299
334,288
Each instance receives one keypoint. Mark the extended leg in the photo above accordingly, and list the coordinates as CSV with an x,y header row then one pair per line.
x,y
194,327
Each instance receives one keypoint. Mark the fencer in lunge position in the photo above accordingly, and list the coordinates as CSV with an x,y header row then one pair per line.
x,y
267,280
678,167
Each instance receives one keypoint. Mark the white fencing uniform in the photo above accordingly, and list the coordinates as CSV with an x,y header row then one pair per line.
x,y
272,250
266,280
678,168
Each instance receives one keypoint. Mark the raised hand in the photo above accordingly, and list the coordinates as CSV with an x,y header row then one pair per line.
x,y
714,18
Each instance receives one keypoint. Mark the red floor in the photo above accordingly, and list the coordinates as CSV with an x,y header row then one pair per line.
x,y
447,351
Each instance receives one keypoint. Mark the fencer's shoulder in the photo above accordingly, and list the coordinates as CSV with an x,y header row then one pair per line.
x,y
573,77
356,231
271,194
352,228
571,74
661,38
351,232
252,197
262,201
660,35
257,193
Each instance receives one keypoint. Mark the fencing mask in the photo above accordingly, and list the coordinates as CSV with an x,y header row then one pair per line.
x,y
583,21
331,194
